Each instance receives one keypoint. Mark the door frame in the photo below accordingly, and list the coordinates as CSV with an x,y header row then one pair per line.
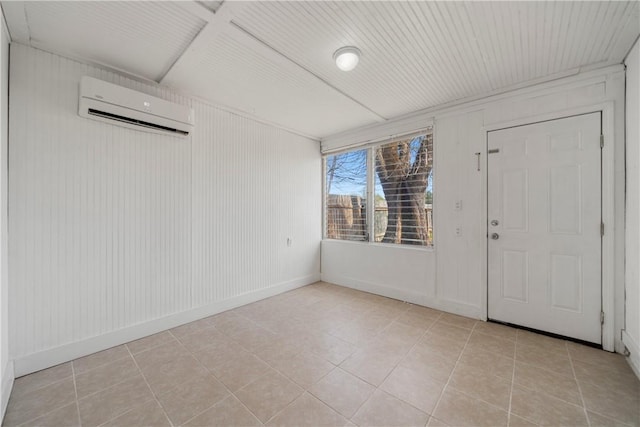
x,y
608,208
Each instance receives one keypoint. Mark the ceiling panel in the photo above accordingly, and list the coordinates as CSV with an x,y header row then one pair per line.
x,y
422,54
143,38
523,41
400,69
236,72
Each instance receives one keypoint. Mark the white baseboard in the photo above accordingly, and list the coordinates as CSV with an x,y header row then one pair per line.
x,y
54,356
7,385
405,295
634,349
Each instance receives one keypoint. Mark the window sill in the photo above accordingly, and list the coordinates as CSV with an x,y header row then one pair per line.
x,y
391,246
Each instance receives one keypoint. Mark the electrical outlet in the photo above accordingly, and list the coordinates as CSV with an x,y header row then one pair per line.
x,y
458,231
458,205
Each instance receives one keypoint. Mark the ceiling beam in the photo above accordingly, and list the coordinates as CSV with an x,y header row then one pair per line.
x,y
198,9
15,13
217,23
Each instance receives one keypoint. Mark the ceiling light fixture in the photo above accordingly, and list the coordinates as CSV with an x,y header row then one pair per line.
x,y
347,57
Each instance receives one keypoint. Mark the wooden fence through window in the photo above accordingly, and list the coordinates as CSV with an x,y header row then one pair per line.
x,y
347,218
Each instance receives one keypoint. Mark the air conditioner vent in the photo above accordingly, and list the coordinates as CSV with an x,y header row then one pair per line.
x,y
106,102
136,122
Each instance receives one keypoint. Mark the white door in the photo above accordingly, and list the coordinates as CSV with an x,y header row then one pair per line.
x,y
544,238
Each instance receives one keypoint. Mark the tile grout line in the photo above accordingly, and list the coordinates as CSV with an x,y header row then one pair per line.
x,y
621,423
210,372
323,403
75,389
549,395
513,379
575,378
501,378
395,366
435,408
493,405
531,389
231,393
553,396
304,390
153,346
320,399
102,365
48,384
545,369
287,406
105,388
39,416
240,400
404,356
124,413
150,389
54,409
221,400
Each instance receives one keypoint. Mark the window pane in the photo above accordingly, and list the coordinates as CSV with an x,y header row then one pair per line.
x,y
403,192
346,192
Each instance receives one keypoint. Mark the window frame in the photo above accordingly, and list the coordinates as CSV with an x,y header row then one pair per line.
x,y
370,148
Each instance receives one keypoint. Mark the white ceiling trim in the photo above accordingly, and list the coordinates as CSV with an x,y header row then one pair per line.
x,y
217,23
198,9
628,31
15,14
250,116
372,134
5,25
83,60
619,46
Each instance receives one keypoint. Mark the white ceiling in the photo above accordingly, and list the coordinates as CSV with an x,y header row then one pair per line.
x,y
274,59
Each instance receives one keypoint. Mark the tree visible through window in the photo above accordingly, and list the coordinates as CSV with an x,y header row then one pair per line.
x,y
401,205
403,172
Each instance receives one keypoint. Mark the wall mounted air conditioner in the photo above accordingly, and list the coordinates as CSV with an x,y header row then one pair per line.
x,y
106,102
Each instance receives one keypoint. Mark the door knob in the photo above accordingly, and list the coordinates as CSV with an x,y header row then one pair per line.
x,y
494,222
495,236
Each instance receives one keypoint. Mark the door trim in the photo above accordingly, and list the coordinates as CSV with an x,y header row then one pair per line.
x,y
608,208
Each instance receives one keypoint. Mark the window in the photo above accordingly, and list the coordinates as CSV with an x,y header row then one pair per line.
x,y
393,181
403,177
346,195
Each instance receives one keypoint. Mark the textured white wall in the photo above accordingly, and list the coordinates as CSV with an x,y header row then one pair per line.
x,y
6,365
112,228
457,181
254,187
632,264
401,272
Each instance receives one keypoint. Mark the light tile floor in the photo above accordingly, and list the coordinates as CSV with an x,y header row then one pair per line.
x,y
327,355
